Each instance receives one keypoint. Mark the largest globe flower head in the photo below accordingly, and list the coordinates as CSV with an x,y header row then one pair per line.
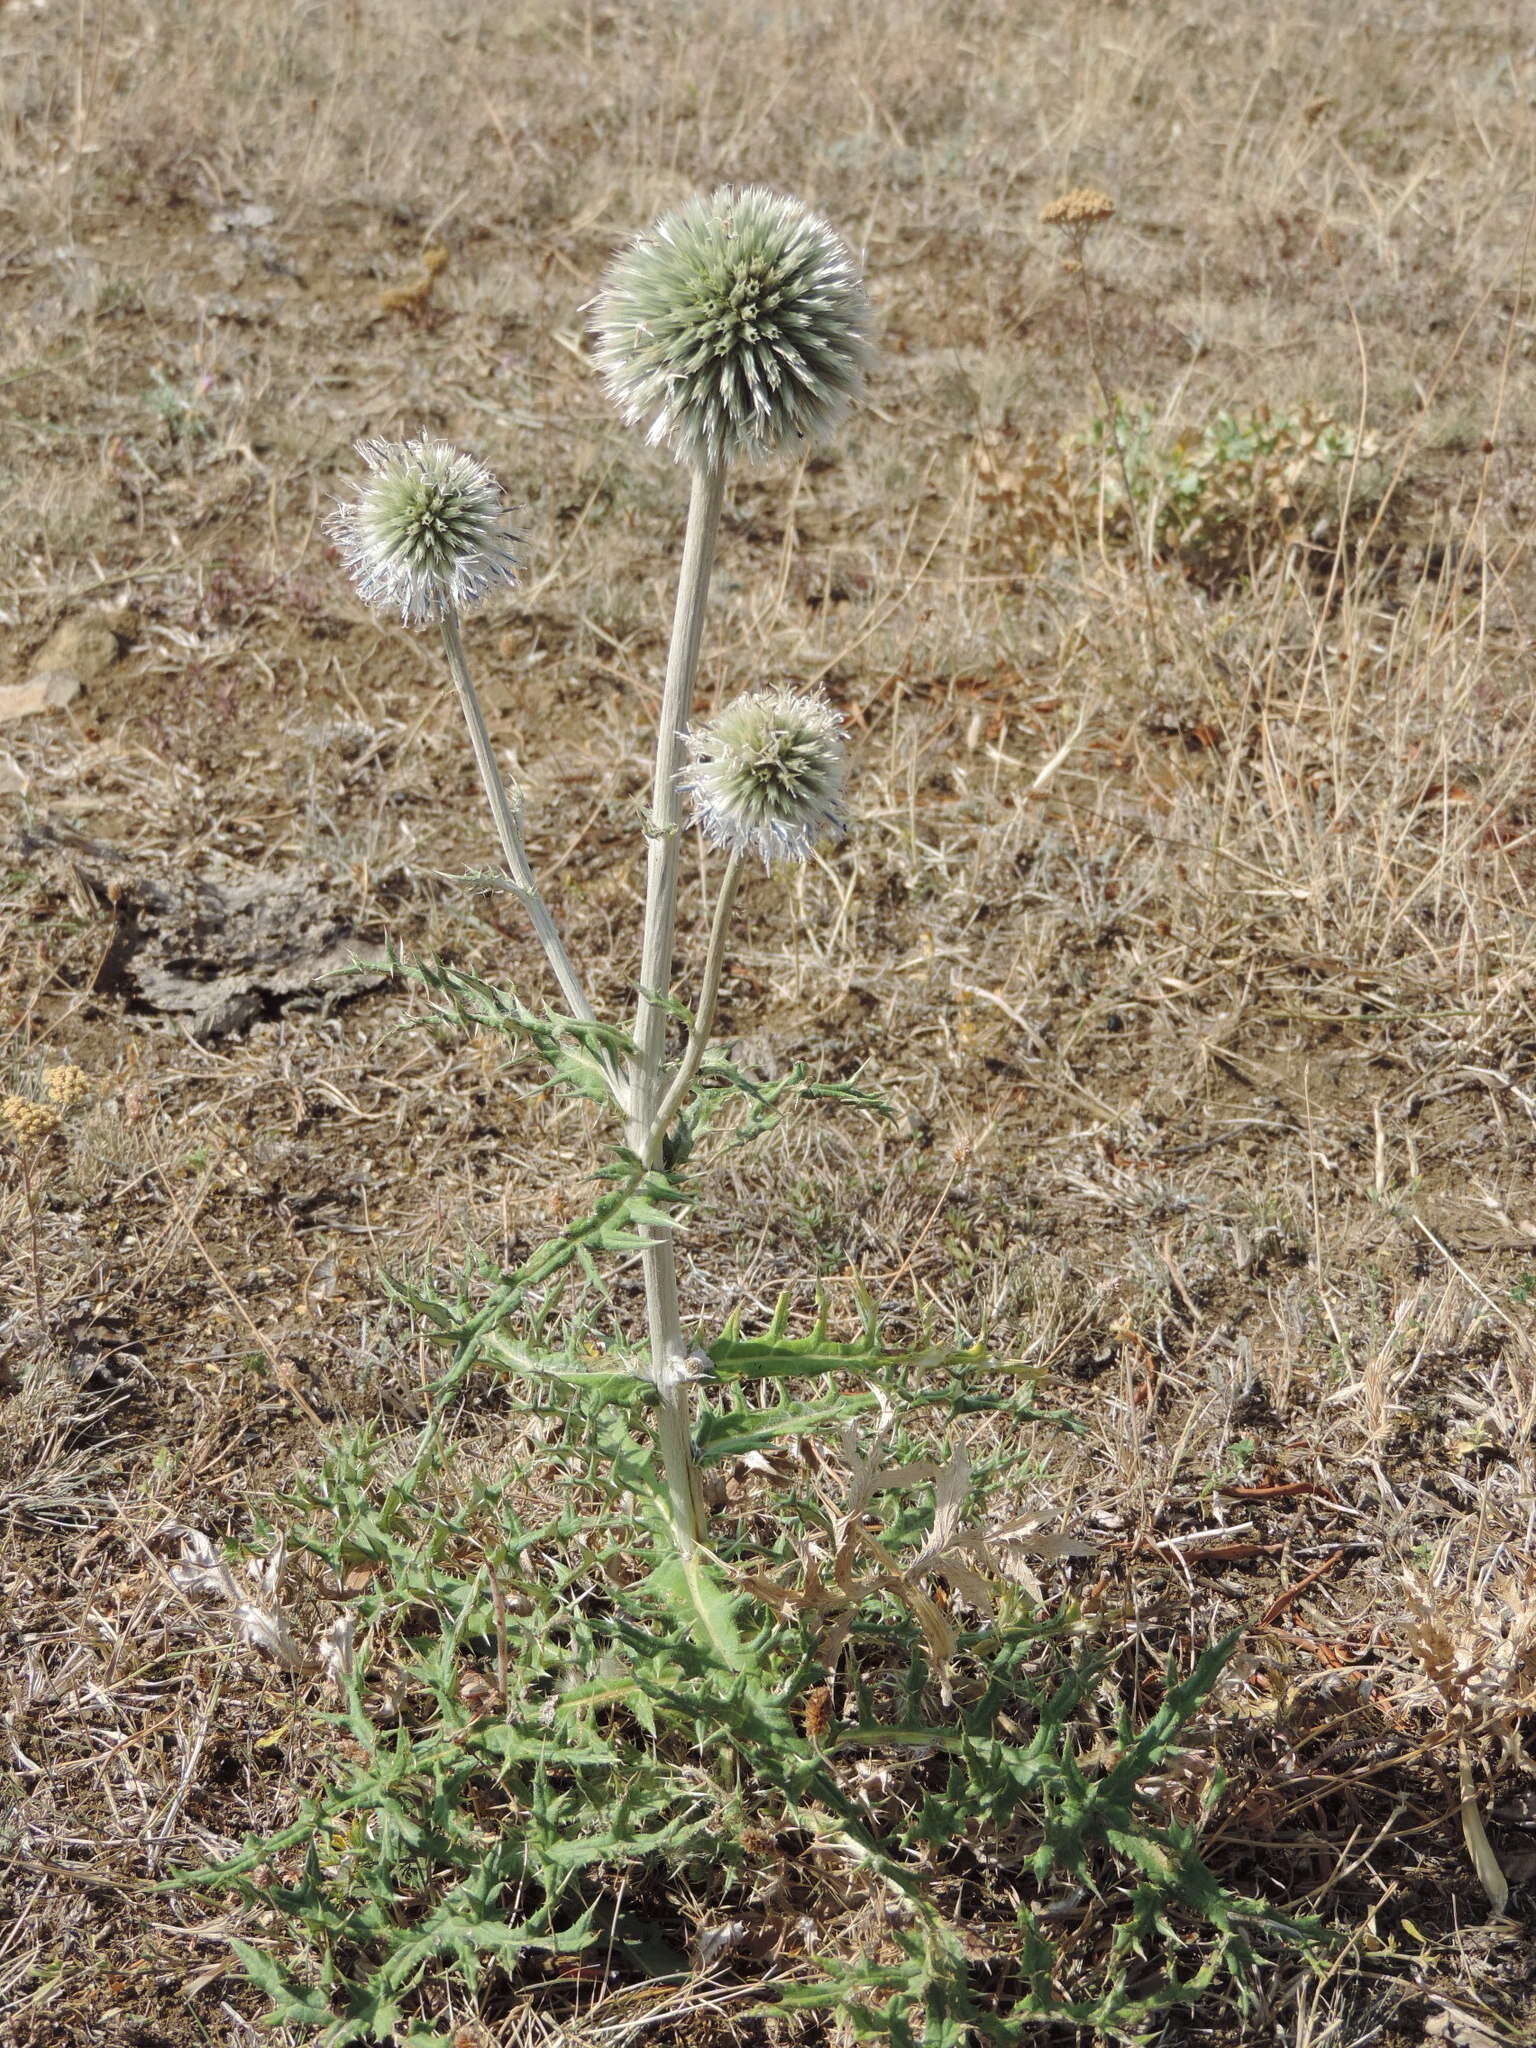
x,y
737,325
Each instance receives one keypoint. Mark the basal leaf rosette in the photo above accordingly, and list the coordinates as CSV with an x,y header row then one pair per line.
x,y
768,775
426,532
737,325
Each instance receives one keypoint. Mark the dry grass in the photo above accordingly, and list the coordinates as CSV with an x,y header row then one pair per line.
x,y
1214,1060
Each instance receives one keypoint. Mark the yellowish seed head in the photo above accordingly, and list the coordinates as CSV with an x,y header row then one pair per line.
x,y
67,1086
1079,210
29,1123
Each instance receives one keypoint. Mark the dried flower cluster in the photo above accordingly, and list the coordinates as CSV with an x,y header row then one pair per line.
x,y
1478,1656
735,326
29,1123
426,533
1079,210
67,1086
1076,214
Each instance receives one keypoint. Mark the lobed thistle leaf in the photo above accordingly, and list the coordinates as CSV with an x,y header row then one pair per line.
x,y
426,532
736,325
768,774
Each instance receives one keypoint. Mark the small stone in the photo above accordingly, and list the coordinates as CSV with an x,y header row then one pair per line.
x,y
76,653
47,692
84,647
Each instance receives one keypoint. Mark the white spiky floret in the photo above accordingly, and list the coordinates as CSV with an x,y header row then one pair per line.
x,y
737,325
426,531
769,773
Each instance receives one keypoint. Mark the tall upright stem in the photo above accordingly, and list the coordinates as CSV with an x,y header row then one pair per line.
x,y
669,1368
507,811
27,1161
666,798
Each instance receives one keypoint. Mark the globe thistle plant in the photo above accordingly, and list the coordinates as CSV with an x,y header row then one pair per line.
x,y
768,775
426,532
736,326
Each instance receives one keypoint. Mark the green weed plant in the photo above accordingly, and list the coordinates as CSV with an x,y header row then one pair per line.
x,y
1218,501
803,1762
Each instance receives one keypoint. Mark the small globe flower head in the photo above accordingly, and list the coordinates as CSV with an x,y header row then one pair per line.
x,y
425,533
737,325
67,1086
29,1123
768,774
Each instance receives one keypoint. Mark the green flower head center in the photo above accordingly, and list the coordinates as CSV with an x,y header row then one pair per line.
x,y
735,308
432,520
781,768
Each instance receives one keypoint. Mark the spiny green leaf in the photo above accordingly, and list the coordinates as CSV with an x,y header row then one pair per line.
x,y
612,1383
778,1357
694,1593
293,2004
733,1432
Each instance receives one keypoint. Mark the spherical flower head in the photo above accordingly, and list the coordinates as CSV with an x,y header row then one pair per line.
x,y
768,774
425,533
737,325
67,1086
29,1123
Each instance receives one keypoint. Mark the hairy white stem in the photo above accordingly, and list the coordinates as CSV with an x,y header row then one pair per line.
x,y
669,1353
666,798
704,1015
506,810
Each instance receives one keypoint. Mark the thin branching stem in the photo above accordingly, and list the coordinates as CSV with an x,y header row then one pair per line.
x,y
1111,404
704,1015
507,811
30,1198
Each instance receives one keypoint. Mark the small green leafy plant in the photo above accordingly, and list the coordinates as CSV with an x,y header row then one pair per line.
x,y
1223,498
1219,500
